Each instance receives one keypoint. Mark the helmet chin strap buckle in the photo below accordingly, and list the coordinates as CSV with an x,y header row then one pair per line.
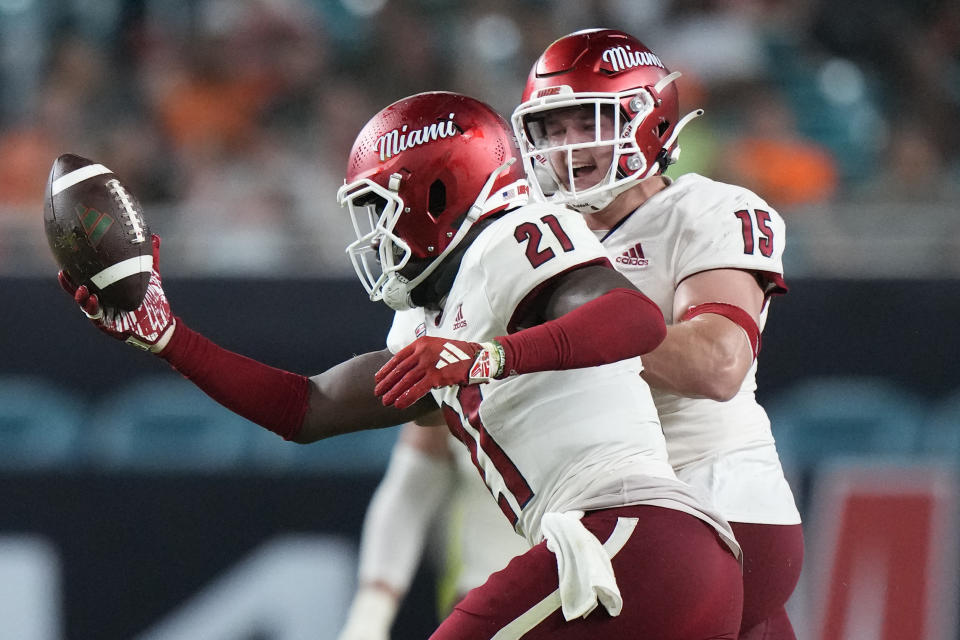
x,y
397,290
394,182
395,293
670,153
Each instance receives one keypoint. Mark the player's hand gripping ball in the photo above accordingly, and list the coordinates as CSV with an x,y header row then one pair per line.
x,y
147,327
96,230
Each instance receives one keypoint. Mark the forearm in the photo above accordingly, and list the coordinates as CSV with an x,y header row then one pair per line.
x,y
298,408
342,400
272,398
620,324
705,357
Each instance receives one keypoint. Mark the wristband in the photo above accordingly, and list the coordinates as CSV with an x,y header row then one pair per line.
x,y
161,344
488,363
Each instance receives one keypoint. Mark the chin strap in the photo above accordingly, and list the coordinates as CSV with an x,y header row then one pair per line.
x,y
518,193
670,156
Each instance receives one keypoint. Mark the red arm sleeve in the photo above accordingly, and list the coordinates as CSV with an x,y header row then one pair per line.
x,y
275,399
620,324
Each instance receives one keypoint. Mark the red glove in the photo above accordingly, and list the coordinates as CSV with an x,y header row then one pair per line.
x,y
430,363
148,327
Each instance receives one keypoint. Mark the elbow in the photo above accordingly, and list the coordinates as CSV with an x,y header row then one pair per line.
x,y
308,432
301,438
723,382
719,391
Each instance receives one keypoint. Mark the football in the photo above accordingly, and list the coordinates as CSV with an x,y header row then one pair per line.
x,y
96,230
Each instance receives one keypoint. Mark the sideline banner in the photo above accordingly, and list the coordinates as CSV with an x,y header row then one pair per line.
x,y
883,562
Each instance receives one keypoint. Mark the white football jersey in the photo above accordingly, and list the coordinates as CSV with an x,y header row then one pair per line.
x,y
554,441
479,539
694,225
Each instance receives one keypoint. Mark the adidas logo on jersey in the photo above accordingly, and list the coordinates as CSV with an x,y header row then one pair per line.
x,y
458,321
633,257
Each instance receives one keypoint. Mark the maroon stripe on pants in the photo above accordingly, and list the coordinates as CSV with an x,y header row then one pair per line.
x,y
679,581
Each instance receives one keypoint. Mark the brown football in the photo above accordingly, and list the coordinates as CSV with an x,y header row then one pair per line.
x,y
97,232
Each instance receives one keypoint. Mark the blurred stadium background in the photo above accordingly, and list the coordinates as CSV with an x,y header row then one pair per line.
x,y
133,507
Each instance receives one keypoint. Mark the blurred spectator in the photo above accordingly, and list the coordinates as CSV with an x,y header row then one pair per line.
x,y
342,110
721,42
207,110
913,170
28,151
771,157
236,109
74,104
700,143
403,54
257,101
141,156
239,215
493,45
913,48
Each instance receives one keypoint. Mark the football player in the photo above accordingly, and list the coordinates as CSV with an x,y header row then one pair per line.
x,y
597,127
514,344
430,481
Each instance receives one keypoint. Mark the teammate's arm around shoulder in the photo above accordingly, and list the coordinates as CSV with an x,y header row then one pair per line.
x,y
585,317
715,338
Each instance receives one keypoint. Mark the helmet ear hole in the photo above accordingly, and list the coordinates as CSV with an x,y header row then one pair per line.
x,y
437,198
662,128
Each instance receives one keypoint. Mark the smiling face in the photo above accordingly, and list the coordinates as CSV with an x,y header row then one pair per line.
x,y
588,153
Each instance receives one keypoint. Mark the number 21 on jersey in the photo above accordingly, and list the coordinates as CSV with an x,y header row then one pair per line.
x,y
532,233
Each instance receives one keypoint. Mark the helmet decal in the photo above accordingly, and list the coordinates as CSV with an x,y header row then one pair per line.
x,y
421,172
397,140
626,127
620,58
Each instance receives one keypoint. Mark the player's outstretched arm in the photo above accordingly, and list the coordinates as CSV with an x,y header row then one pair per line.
x,y
339,400
342,400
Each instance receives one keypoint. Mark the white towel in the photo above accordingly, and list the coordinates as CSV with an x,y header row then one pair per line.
x,y
586,574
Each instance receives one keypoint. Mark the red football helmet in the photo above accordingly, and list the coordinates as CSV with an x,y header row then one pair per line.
x,y
420,174
597,89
